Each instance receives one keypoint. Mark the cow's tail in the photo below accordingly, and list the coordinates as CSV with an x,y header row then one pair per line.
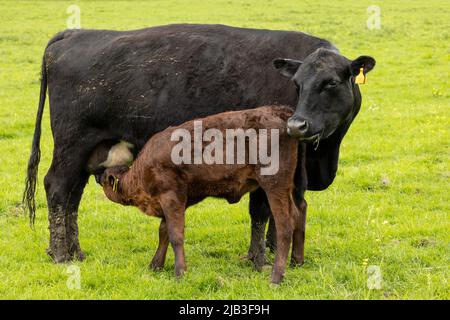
x,y
28,199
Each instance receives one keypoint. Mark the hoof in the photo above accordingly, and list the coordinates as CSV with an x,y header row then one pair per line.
x,y
252,255
156,265
180,274
277,277
155,268
259,262
81,256
58,258
276,280
297,263
257,267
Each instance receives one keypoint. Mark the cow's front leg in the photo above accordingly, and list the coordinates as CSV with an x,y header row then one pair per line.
x,y
160,255
298,241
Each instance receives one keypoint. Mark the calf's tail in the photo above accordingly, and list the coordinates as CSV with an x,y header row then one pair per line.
x,y
28,200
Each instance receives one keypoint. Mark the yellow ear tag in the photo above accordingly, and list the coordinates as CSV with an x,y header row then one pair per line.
x,y
116,182
360,78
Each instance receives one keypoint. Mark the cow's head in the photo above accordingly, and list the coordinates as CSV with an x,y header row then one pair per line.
x,y
326,92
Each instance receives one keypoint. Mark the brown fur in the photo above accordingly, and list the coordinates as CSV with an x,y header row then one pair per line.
x,y
158,187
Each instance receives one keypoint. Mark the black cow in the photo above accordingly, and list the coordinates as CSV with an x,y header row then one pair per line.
x,y
127,85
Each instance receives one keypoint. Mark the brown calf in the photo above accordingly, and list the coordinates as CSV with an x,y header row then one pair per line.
x,y
159,187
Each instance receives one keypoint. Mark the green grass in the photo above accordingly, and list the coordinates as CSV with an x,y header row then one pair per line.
x,y
389,205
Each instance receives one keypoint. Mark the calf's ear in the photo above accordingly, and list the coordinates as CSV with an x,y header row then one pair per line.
x,y
111,180
365,62
287,67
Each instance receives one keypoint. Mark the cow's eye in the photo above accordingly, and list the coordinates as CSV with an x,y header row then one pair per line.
x,y
331,84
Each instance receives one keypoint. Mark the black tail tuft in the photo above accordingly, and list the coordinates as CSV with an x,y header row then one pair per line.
x,y
28,199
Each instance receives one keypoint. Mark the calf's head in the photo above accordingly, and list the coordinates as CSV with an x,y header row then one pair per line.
x,y
327,94
111,181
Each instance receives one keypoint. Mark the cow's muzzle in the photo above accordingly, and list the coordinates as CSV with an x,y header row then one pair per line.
x,y
297,127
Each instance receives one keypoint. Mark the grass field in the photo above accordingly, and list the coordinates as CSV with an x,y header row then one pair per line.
x,y
388,207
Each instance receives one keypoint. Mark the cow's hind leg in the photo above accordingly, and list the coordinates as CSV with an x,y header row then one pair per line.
x,y
64,184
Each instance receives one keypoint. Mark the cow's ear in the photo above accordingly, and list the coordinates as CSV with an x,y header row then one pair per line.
x,y
287,67
365,62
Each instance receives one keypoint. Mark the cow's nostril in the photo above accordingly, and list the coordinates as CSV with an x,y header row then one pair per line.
x,y
302,126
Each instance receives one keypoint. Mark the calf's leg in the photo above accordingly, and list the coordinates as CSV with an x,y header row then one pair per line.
x,y
160,255
279,204
174,210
